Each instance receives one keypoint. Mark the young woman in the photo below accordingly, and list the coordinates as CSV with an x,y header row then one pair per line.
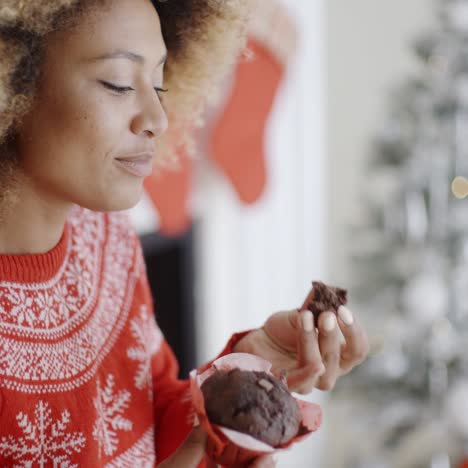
x,y
86,89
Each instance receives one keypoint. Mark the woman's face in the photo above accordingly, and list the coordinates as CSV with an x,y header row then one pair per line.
x,y
90,138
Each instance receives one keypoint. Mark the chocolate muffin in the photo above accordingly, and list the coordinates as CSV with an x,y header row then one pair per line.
x,y
254,403
324,298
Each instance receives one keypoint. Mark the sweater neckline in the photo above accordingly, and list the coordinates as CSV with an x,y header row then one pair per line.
x,y
34,268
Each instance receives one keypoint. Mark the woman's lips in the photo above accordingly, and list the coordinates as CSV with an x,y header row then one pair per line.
x,y
140,165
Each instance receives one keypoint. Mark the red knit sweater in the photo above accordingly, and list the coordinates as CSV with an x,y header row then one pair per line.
x,y
86,377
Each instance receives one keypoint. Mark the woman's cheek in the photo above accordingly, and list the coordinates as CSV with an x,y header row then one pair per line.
x,y
107,121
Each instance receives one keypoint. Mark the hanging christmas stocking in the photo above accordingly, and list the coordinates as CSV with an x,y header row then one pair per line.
x,y
237,140
169,191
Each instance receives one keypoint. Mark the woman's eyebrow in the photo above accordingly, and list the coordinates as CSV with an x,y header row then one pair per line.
x,y
132,56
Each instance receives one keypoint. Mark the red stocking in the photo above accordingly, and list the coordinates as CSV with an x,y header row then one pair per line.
x,y
237,142
169,191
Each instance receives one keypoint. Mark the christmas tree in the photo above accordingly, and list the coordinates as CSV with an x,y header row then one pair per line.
x,y
407,406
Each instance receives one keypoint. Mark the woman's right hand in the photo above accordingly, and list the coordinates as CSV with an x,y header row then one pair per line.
x,y
192,451
267,461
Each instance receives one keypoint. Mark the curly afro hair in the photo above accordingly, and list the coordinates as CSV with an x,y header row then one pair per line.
x,y
203,38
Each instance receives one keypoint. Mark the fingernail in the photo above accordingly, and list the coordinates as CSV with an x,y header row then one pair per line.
x,y
307,320
346,315
196,421
329,322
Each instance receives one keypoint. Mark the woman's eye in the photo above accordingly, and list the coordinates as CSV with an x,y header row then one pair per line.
x,y
126,89
115,88
160,90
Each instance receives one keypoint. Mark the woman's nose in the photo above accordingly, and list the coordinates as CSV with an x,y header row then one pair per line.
x,y
151,119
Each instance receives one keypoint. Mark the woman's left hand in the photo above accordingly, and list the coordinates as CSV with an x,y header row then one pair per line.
x,y
312,358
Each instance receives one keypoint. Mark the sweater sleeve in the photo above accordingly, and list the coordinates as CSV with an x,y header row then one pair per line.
x,y
173,410
172,403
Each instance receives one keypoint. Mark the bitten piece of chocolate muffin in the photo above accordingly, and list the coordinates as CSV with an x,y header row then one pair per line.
x,y
254,403
324,298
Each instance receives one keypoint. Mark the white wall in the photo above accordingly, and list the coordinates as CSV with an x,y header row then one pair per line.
x,y
260,259
367,54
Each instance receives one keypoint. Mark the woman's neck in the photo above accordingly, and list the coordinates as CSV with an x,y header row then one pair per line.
x,y
31,221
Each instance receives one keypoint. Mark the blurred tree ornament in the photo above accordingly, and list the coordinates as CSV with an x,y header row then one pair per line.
x,y
457,15
425,298
443,343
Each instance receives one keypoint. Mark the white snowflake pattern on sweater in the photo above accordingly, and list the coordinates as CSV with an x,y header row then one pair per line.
x,y
44,443
109,407
149,339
